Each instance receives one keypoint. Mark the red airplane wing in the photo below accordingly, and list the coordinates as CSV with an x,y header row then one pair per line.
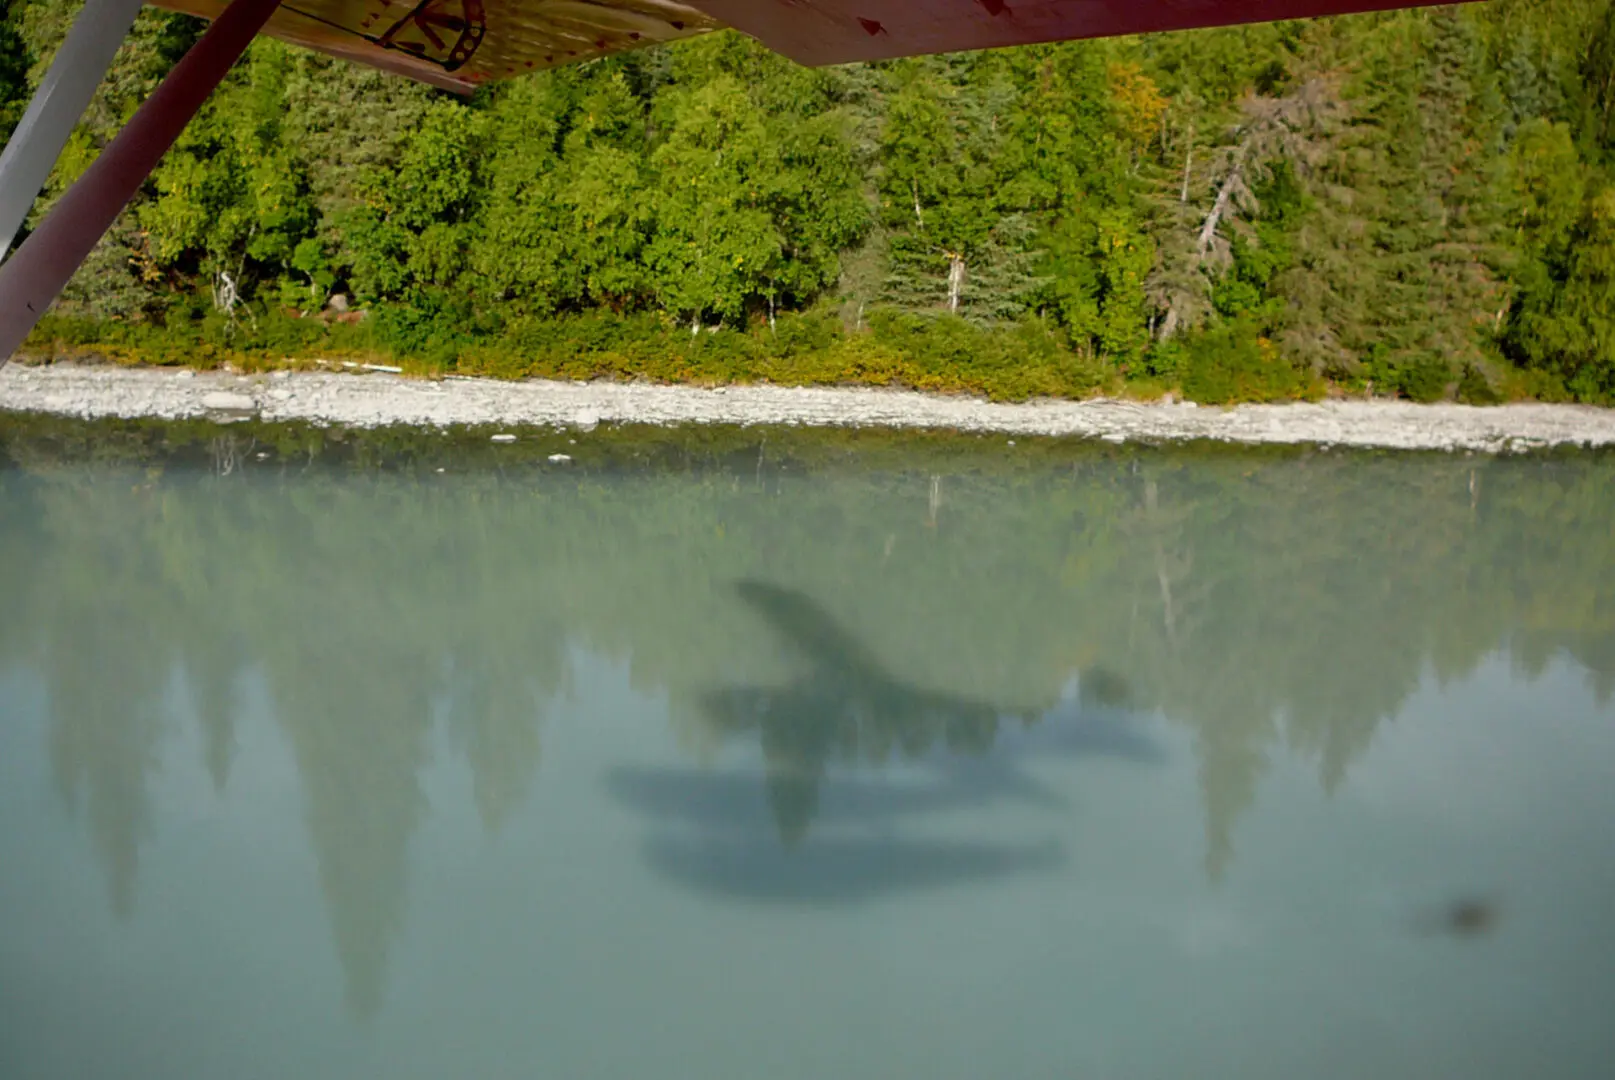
x,y
840,31
459,44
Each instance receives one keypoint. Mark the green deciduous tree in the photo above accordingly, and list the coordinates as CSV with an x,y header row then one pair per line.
x,y
716,245
1563,319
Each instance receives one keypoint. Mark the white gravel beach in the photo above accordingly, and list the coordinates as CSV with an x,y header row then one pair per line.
x,y
369,400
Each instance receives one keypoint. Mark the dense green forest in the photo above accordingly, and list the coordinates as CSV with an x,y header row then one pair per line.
x,y
1268,605
1419,203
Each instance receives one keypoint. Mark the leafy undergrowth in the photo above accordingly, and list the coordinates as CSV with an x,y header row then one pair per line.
x,y
1227,364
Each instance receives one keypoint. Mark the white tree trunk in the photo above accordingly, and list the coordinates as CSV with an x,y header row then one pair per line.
x,y
956,281
1188,164
1208,230
225,293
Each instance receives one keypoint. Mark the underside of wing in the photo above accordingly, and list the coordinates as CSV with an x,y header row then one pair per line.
x,y
460,44
842,31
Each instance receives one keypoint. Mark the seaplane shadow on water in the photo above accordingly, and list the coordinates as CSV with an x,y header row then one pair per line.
x,y
746,836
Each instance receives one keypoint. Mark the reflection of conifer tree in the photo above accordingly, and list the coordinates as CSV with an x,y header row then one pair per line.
x,y
797,747
1233,720
211,667
1356,638
353,688
197,538
509,654
1232,762
1336,735
1542,513
1290,616
1598,654
1193,650
800,729
358,720
493,716
20,544
105,729
107,662
1162,530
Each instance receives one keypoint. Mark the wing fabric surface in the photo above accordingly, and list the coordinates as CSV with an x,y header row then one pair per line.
x,y
460,44
818,32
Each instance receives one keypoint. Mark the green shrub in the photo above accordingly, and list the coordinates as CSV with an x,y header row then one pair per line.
x,y
1232,363
1424,378
1475,389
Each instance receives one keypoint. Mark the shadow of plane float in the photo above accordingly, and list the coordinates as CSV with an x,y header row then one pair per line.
x,y
718,801
844,708
841,871
736,801
716,837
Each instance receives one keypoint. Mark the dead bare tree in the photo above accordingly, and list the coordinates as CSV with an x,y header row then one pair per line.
x,y
1292,129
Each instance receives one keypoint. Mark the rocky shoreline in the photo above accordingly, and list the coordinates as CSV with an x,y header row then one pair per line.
x,y
380,399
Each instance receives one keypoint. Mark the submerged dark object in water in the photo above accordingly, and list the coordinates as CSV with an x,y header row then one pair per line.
x,y
1472,917
1468,917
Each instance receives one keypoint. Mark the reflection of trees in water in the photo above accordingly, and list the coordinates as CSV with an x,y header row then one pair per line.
x,y
20,533
105,672
1269,603
505,660
360,738
491,710
211,576
377,623
104,742
1327,589
213,662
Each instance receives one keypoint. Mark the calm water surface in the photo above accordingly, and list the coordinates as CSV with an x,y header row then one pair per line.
x,y
800,757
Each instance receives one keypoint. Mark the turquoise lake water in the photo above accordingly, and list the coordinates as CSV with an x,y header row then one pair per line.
x,y
770,755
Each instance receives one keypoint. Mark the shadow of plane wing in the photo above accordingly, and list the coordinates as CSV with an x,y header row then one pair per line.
x,y
827,645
